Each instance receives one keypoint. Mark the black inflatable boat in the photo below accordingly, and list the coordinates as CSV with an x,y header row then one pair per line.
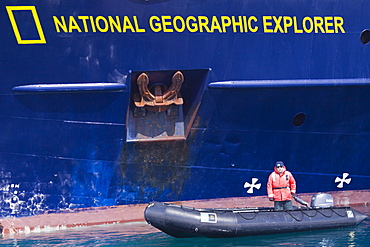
x,y
182,222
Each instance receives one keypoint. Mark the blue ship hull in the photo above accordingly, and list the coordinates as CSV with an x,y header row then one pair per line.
x,y
262,81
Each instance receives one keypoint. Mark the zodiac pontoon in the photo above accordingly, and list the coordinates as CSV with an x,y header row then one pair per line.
x,y
181,221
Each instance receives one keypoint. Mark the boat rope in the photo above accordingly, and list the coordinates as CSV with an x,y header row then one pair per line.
x,y
332,210
311,216
187,209
327,216
299,220
220,211
205,210
340,215
303,213
255,215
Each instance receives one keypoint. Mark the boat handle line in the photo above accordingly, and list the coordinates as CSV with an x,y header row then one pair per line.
x,y
311,216
299,220
255,215
317,210
296,218
327,216
338,213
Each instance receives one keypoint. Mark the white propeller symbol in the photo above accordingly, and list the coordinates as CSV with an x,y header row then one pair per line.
x,y
252,185
343,180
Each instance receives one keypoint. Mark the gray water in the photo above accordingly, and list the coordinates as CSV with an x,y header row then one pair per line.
x,y
142,234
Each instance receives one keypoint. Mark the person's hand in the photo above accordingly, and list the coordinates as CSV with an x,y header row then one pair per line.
x,y
271,199
293,194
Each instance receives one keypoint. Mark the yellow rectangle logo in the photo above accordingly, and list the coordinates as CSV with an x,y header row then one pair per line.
x,y
11,9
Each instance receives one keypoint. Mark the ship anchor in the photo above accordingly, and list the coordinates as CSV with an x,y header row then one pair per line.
x,y
158,98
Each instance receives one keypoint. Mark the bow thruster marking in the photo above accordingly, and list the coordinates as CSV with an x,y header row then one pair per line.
x,y
252,185
343,180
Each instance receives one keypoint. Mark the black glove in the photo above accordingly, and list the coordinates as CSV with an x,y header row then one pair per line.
x,y
271,199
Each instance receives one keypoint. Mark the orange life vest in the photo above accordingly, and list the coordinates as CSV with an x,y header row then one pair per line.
x,y
281,186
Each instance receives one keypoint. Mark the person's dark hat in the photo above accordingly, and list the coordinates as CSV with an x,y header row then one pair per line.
x,y
279,164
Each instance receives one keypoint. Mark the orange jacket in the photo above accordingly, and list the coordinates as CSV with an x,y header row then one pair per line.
x,y
281,186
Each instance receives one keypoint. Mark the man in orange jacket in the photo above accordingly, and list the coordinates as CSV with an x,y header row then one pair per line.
x,y
281,187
